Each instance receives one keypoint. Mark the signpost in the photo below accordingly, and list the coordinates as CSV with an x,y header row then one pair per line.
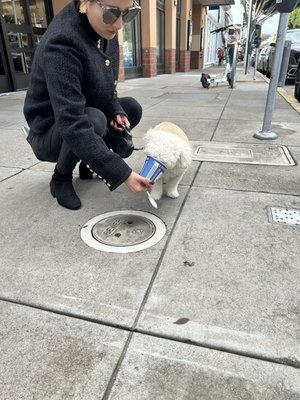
x,y
283,7
248,36
256,42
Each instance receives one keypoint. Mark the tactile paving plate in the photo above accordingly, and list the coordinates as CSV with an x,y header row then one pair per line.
x,y
287,216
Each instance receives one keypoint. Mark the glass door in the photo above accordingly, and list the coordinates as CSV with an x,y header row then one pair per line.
x,y
178,27
23,24
160,36
132,48
5,81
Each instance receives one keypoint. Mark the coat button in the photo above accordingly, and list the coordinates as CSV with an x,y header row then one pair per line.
x,y
107,63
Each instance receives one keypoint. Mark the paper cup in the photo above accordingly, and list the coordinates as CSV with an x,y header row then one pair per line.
x,y
152,169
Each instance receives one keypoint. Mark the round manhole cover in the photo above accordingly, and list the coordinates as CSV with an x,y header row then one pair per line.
x,y
123,231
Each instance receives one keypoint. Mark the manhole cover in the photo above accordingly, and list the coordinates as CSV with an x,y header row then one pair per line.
x,y
242,153
219,152
123,231
284,216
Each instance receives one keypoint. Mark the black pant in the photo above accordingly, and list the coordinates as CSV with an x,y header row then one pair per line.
x,y
51,147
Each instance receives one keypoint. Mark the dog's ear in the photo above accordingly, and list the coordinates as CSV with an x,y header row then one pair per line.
x,y
185,158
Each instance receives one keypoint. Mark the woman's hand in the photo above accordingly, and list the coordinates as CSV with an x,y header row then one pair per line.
x,y
137,183
119,120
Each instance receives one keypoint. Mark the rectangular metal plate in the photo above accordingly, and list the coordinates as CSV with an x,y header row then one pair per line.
x,y
220,152
242,153
287,216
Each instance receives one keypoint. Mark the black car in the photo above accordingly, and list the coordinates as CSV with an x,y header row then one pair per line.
x,y
294,36
297,83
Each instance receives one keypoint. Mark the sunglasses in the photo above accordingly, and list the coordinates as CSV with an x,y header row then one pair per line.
x,y
112,14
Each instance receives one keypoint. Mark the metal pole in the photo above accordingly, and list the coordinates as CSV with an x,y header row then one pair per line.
x,y
285,62
265,133
248,36
255,64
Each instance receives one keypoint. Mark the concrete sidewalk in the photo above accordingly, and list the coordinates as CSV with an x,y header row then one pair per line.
x,y
210,312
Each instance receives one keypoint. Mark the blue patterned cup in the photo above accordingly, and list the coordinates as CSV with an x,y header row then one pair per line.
x,y
152,169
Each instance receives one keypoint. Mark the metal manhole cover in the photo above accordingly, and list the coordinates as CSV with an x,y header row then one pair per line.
x,y
242,153
220,152
284,216
123,231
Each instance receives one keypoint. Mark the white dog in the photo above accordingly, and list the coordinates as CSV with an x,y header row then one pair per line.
x,y
169,144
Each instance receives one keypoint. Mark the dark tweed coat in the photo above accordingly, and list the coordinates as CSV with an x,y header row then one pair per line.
x,y
69,73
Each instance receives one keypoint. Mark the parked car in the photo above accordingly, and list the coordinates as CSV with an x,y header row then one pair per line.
x,y
297,83
294,36
253,56
263,59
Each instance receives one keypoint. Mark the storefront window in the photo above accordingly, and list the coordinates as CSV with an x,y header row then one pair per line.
x,y
38,13
160,34
22,62
13,11
37,39
160,4
178,26
132,48
2,71
178,8
17,40
128,46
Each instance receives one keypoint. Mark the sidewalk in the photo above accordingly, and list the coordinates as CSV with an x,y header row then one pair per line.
x,y
210,312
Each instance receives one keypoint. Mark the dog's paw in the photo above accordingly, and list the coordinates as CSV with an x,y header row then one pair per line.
x,y
155,196
173,195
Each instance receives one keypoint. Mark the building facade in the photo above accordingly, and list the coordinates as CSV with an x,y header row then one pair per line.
x,y
216,17
168,36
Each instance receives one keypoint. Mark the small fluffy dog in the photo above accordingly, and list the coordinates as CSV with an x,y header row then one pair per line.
x,y
169,144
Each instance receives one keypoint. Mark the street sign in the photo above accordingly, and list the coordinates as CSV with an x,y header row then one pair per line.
x,y
286,6
257,36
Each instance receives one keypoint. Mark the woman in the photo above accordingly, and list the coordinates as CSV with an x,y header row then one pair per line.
x,y
71,105
220,55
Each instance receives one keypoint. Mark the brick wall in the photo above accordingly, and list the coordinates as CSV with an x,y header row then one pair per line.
x,y
149,62
185,60
170,61
196,59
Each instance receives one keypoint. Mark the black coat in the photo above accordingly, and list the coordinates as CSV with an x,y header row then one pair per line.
x,y
69,73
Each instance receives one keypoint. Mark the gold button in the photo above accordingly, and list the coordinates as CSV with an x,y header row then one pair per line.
x,y
107,63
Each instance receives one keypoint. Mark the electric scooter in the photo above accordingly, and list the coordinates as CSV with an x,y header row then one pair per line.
x,y
229,74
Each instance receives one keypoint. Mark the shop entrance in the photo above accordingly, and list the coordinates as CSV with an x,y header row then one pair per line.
x,y
132,48
178,26
23,22
160,26
5,81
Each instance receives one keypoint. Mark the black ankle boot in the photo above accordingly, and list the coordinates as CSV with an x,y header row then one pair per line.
x,y
85,172
61,187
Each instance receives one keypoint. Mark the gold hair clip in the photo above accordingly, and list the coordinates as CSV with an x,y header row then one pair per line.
x,y
83,7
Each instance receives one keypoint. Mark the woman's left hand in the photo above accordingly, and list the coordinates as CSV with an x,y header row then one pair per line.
x,y
120,120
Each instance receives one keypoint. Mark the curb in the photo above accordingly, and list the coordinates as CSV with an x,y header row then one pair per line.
x,y
287,97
